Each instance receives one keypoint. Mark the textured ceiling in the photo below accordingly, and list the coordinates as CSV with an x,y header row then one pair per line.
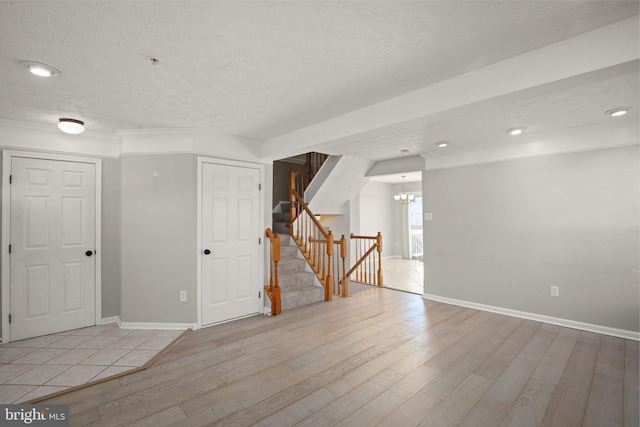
x,y
263,69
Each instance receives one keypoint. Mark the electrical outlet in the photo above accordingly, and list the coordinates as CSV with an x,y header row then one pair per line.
x,y
555,291
183,296
428,216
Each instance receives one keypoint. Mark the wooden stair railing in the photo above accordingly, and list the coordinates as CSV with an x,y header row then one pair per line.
x,y
368,267
314,242
273,288
301,178
338,263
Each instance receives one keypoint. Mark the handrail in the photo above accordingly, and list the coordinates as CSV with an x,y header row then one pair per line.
x,y
364,273
339,265
306,231
273,289
300,179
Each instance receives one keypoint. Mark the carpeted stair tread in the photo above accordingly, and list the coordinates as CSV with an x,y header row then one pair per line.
x,y
297,297
296,280
291,265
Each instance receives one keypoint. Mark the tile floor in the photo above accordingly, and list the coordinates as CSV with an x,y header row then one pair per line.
x,y
36,367
403,274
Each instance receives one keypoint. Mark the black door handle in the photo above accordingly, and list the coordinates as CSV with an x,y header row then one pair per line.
x,y
207,251
88,253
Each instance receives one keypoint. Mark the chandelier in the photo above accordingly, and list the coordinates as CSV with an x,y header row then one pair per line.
x,y
403,197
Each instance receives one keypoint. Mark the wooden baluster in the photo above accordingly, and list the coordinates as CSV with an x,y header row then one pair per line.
x,y
328,290
343,255
379,248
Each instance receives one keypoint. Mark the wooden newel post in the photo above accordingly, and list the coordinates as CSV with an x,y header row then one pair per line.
x,y
379,244
292,198
328,289
343,255
276,304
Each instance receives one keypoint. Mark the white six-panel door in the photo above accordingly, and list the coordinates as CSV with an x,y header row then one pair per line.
x,y
52,246
230,248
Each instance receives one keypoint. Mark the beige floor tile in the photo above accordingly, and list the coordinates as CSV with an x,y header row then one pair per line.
x,y
9,354
13,393
76,375
41,391
39,375
69,341
136,358
38,342
72,357
128,343
156,343
112,370
42,355
105,357
98,342
8,372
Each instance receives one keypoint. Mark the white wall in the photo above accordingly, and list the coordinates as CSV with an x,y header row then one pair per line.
x,y
503,233
380,213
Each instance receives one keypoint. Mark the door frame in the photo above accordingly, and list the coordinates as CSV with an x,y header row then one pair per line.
x,y
261,169
5,260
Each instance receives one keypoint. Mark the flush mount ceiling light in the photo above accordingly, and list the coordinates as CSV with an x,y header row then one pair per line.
x,y
617,112
71,126
40,69
442,144
515,131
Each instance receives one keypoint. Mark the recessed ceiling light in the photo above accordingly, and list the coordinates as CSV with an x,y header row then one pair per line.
x,y
616,112
40,69
71,126
442,144
515,131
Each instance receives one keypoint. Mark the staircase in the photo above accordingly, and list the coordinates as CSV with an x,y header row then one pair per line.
x,y
298,285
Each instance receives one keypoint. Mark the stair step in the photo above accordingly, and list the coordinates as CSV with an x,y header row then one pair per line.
x,y
280,228
287,251
293,298
296,280
291,265
281,216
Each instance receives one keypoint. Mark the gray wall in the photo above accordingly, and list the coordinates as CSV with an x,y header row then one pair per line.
x,y
502,233
281,180
111,278
158,238
380,213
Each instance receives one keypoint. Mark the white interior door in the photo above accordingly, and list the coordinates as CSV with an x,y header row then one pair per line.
x,y
52,283
230,246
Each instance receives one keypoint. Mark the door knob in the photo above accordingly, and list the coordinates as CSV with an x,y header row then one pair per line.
x,y
88,253
207,251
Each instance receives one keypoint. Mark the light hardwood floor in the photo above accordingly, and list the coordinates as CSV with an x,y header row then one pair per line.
x,y
379,357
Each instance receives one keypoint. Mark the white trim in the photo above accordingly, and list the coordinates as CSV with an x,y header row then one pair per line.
x,y
200,162
108,320
157,326
148,325
605,330
5,260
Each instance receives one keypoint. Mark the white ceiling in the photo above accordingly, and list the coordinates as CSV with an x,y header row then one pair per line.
x,y
262,70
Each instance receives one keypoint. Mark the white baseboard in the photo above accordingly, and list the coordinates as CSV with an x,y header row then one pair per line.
x,y
605,330
149,325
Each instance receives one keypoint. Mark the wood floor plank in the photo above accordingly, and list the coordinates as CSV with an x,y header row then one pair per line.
x,y
631,386
494,406
453,410
605,404
531,405
410,413
568,402
379,357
